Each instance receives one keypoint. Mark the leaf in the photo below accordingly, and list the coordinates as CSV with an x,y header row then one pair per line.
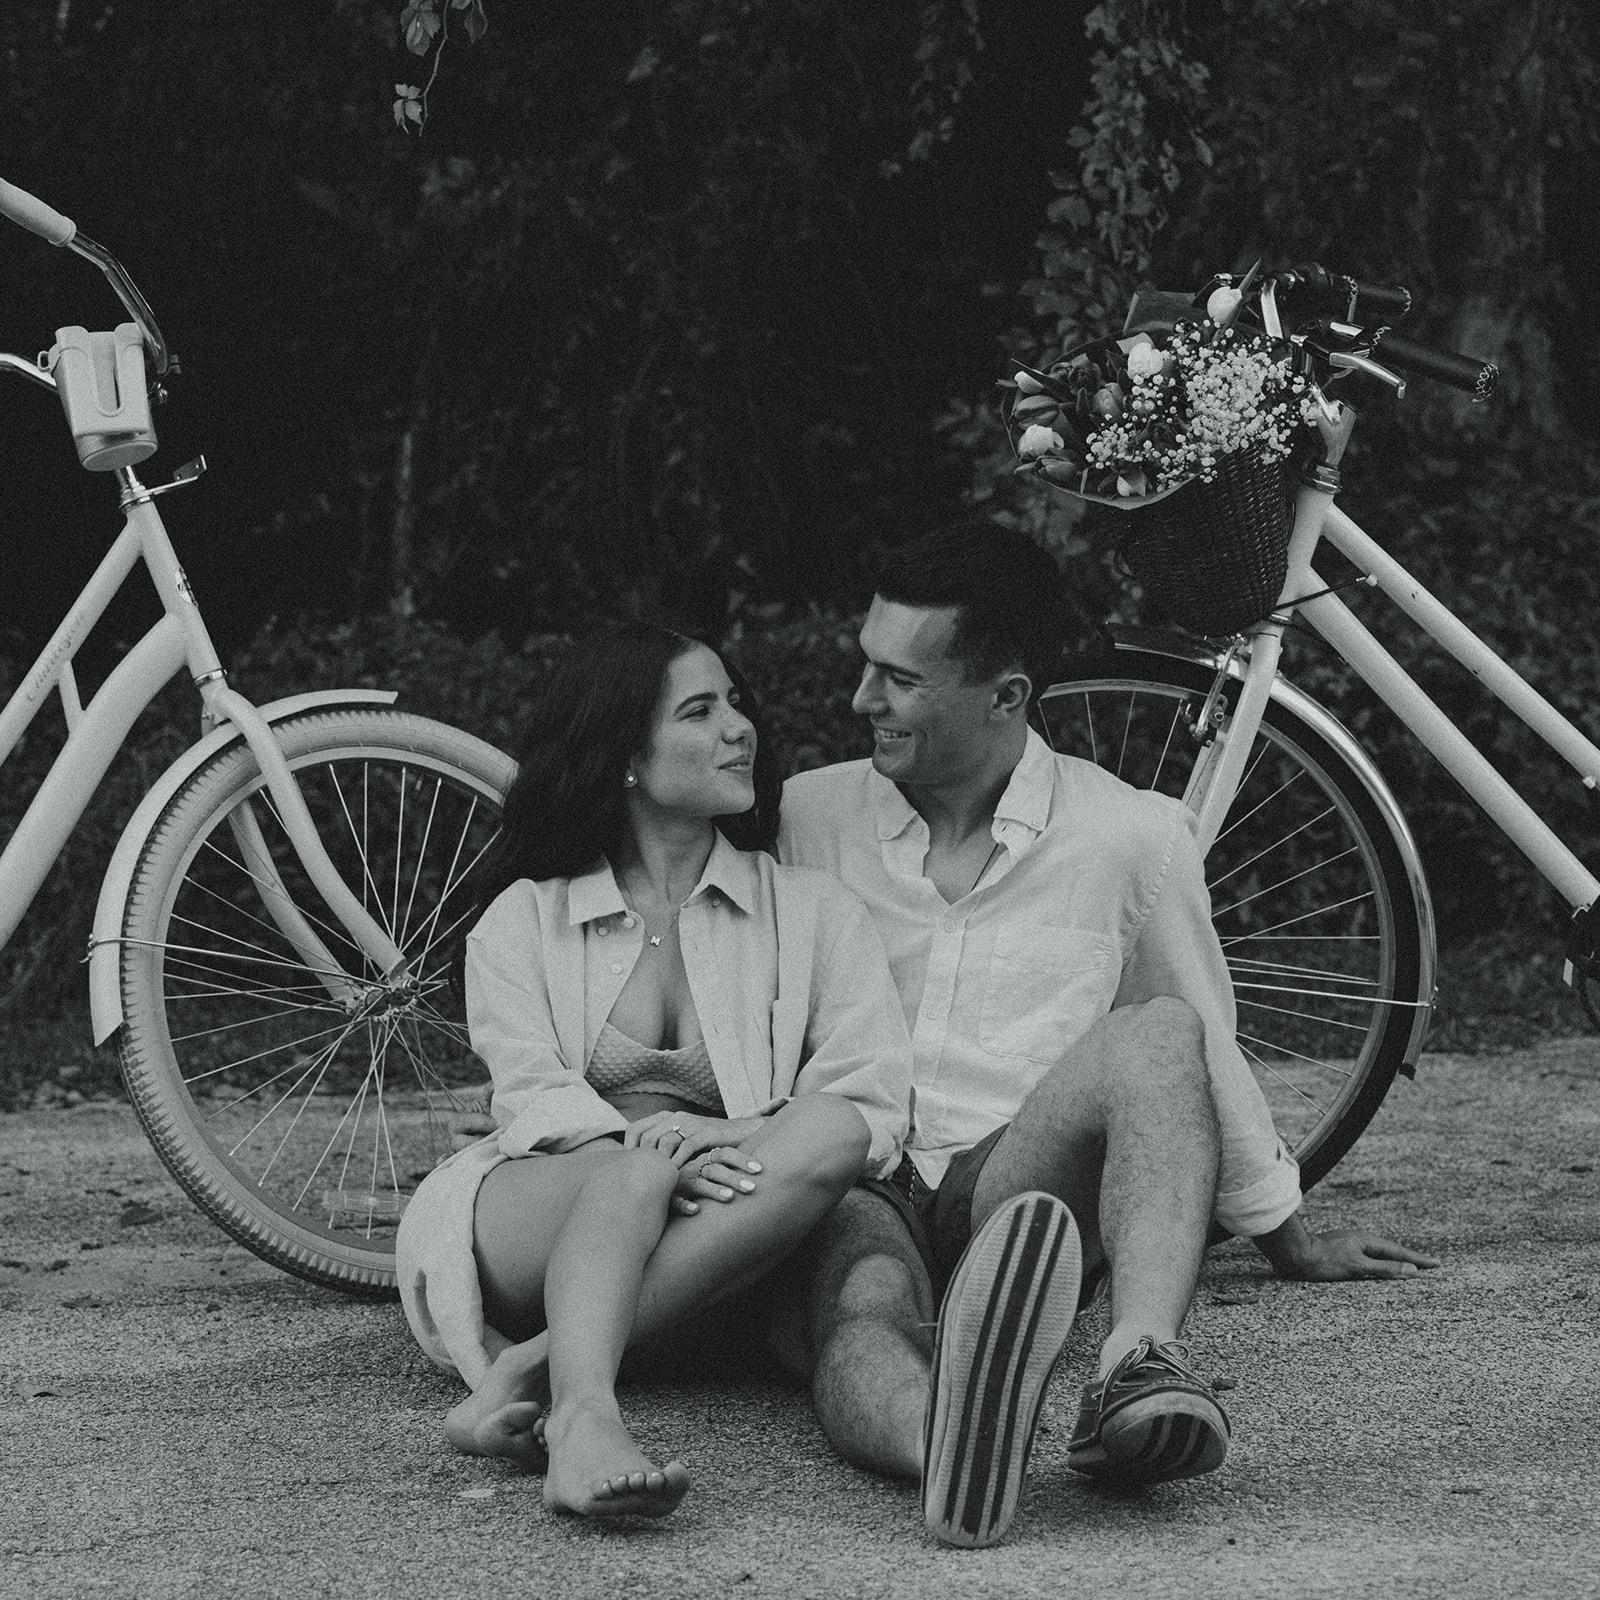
x,y
477,24
420,23
644,64
136,1214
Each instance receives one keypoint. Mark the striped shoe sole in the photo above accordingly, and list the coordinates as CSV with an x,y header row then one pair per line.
x,y
1153,1441
1005,1317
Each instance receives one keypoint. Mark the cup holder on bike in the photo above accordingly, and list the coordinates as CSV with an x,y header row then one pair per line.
x,y
101,380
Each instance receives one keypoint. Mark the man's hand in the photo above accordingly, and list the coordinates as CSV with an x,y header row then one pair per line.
x,y
472,1121
1339,1254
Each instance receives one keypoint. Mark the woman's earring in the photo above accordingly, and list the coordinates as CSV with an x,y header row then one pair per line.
x,y
629,781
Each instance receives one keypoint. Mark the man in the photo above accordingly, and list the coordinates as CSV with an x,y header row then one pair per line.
x,y
1072,1026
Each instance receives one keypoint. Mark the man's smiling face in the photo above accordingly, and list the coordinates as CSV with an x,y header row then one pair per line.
x,y
931,722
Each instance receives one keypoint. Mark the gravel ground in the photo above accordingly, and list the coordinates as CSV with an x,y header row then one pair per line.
x,y
182,1420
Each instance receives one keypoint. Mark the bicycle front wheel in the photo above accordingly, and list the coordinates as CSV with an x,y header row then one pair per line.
x,y
299,1099
1316,896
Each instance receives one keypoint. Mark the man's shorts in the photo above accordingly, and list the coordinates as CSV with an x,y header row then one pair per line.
x,y
940,1220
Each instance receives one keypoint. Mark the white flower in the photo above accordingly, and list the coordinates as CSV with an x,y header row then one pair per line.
x,y
1038,440
1145,361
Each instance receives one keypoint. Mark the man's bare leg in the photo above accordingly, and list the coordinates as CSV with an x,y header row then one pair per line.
x,y
1125,1132
871,1335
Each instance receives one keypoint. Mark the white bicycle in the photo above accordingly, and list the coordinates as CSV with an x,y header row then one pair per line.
x,y
1318,892
274,926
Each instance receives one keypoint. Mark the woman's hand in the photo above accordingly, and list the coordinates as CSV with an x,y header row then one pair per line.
x,y
704,1149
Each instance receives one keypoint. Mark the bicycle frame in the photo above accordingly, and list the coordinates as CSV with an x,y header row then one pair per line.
x,y
95,733
1316,518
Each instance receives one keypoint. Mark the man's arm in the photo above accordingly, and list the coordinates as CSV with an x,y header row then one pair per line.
x,y
1178,954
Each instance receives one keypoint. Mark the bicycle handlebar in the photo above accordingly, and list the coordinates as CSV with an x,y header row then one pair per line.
x,y
1345,295
1477,377
29,212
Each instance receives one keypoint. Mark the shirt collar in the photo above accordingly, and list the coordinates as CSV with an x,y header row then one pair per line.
x,y
730,871
1026,798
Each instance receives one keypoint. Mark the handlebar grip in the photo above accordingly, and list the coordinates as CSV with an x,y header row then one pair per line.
x,y
34,215
1477,377
1352,300
1374,297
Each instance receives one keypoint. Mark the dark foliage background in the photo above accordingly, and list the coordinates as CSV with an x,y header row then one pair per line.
x,y
688,303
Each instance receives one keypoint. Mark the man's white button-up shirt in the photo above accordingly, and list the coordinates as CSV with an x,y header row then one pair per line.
x,y
1097,900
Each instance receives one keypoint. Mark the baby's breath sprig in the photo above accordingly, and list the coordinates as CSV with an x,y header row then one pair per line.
x,y
1112,422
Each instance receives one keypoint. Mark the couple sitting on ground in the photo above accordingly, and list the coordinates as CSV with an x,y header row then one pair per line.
x,y
966,1053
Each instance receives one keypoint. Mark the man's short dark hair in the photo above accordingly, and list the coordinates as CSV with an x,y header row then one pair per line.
x,y
1013,605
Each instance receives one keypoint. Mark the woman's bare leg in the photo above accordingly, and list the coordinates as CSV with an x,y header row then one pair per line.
x,y
811,1152
573,1234
521,1209
591,1294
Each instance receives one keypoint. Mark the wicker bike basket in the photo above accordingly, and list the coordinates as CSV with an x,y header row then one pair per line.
x,y
1212,556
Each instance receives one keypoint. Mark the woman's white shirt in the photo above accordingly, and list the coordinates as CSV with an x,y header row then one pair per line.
x,y
787,973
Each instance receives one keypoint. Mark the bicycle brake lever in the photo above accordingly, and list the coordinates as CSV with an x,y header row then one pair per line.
x,y
1349,362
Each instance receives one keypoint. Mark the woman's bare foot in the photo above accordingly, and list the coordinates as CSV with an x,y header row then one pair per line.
x,y
505,1415
596,1470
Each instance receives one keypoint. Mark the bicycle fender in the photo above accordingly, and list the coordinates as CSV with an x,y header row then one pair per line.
x,y
105,988
1322,722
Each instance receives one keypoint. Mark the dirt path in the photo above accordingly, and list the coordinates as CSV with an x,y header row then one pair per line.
x,y
179,1419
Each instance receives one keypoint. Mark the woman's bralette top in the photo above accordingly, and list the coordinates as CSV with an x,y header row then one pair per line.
x,y
621,1065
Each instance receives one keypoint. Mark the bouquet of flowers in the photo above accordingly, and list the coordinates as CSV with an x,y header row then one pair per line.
x,y
1128,420
1191,421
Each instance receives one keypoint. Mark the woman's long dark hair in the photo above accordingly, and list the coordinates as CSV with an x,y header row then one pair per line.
x,y
567,809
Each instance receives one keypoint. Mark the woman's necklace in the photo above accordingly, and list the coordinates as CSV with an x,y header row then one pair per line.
x,y
631,898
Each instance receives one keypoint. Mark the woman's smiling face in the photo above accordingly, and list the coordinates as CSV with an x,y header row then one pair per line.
x,y
701,758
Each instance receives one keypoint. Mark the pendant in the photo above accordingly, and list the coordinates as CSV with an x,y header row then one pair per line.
x,y
655,938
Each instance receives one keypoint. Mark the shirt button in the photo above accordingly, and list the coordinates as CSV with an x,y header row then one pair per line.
x,y
616,966
948,925
602,930
627,922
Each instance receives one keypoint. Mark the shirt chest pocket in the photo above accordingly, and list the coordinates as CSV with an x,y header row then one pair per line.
x,y
1046,986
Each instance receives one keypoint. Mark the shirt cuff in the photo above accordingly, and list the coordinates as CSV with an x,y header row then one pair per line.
x,y
560,1120
1262,1206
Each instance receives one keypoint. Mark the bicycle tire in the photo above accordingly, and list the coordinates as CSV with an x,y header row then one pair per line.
x,y
221,1009
1328,994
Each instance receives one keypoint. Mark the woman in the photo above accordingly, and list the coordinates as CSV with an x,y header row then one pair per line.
x,y
694,1051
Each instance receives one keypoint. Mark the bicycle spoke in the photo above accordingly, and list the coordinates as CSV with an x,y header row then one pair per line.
x,y
1295,833
1294,877
1288,783
422,857
1172,728
1321,911
261,1055
1305,1016
361,850
399,856
1288,1083
1320,1062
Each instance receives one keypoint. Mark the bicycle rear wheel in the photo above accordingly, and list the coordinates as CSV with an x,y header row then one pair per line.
x,y
300,1111
1316,895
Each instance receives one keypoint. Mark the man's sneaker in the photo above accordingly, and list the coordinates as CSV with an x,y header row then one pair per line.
x,y
1005,1317
1152,1417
